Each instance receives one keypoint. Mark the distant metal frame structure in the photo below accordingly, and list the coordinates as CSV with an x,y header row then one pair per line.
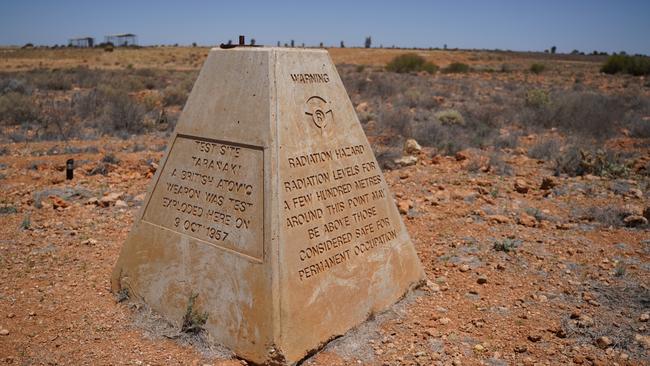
x,y
122,40
83,42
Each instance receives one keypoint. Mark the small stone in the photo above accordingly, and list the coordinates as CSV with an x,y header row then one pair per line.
x,y
644,317
498,219
635,220
11,315
603,342
635,192
585,321
534,337
527,220
456,362
363,107
444,321
462,155
548,183
32,313
411,147
464,268
109,199
479,348
578,359
521,186
58,202
500,266
521,349
434,287
121,203
406,160
643,340
404,205
482,280
89,242
4,332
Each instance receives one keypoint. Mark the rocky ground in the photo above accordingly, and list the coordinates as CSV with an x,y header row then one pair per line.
x,y
528,206
525,268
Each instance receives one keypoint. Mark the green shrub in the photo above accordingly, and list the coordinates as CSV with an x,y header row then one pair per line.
x,y
537,68
411,62
633,65
450,117
16,108
193,321
537,98
506,245
456,67
576,161
175,95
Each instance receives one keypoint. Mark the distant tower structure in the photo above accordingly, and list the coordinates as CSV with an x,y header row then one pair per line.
x,y
122,40
81,42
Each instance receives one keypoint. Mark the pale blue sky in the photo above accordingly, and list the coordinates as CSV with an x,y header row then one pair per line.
x,y
585,25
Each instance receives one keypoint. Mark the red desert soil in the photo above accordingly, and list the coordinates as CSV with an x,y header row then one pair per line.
x,y
558,285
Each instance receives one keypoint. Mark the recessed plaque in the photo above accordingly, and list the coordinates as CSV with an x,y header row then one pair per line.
x,y
212,191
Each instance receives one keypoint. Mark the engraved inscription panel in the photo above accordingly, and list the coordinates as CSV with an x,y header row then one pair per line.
x,y
212,191
336,208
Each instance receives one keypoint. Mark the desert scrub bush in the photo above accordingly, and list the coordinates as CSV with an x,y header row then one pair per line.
x,y
10,84
174,95
53,79
193,320
397,120
110,158
577,161
16,108
640,129
606,215
537,68
537,98
450,117
27,222
509,141
410,62
122,114
633,65
417,98
585,114
506,245
499,166
456,67
545,150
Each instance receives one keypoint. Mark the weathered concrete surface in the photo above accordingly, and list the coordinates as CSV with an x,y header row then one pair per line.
x,y
270,205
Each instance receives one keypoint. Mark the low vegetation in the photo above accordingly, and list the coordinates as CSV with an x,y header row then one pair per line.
x,y
411,62
97,102
625,64
456,67
193,320
537,68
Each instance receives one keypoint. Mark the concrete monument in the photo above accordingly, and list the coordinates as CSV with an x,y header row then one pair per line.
x,y
270,207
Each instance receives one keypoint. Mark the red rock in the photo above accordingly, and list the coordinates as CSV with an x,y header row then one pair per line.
x,y
548,183
527,220
57,202
499,219
404,206
521,186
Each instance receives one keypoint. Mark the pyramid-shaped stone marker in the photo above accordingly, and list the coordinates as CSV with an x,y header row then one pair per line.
x,y
270,207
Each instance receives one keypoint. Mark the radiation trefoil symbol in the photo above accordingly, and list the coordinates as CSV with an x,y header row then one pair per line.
x,y
319,111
